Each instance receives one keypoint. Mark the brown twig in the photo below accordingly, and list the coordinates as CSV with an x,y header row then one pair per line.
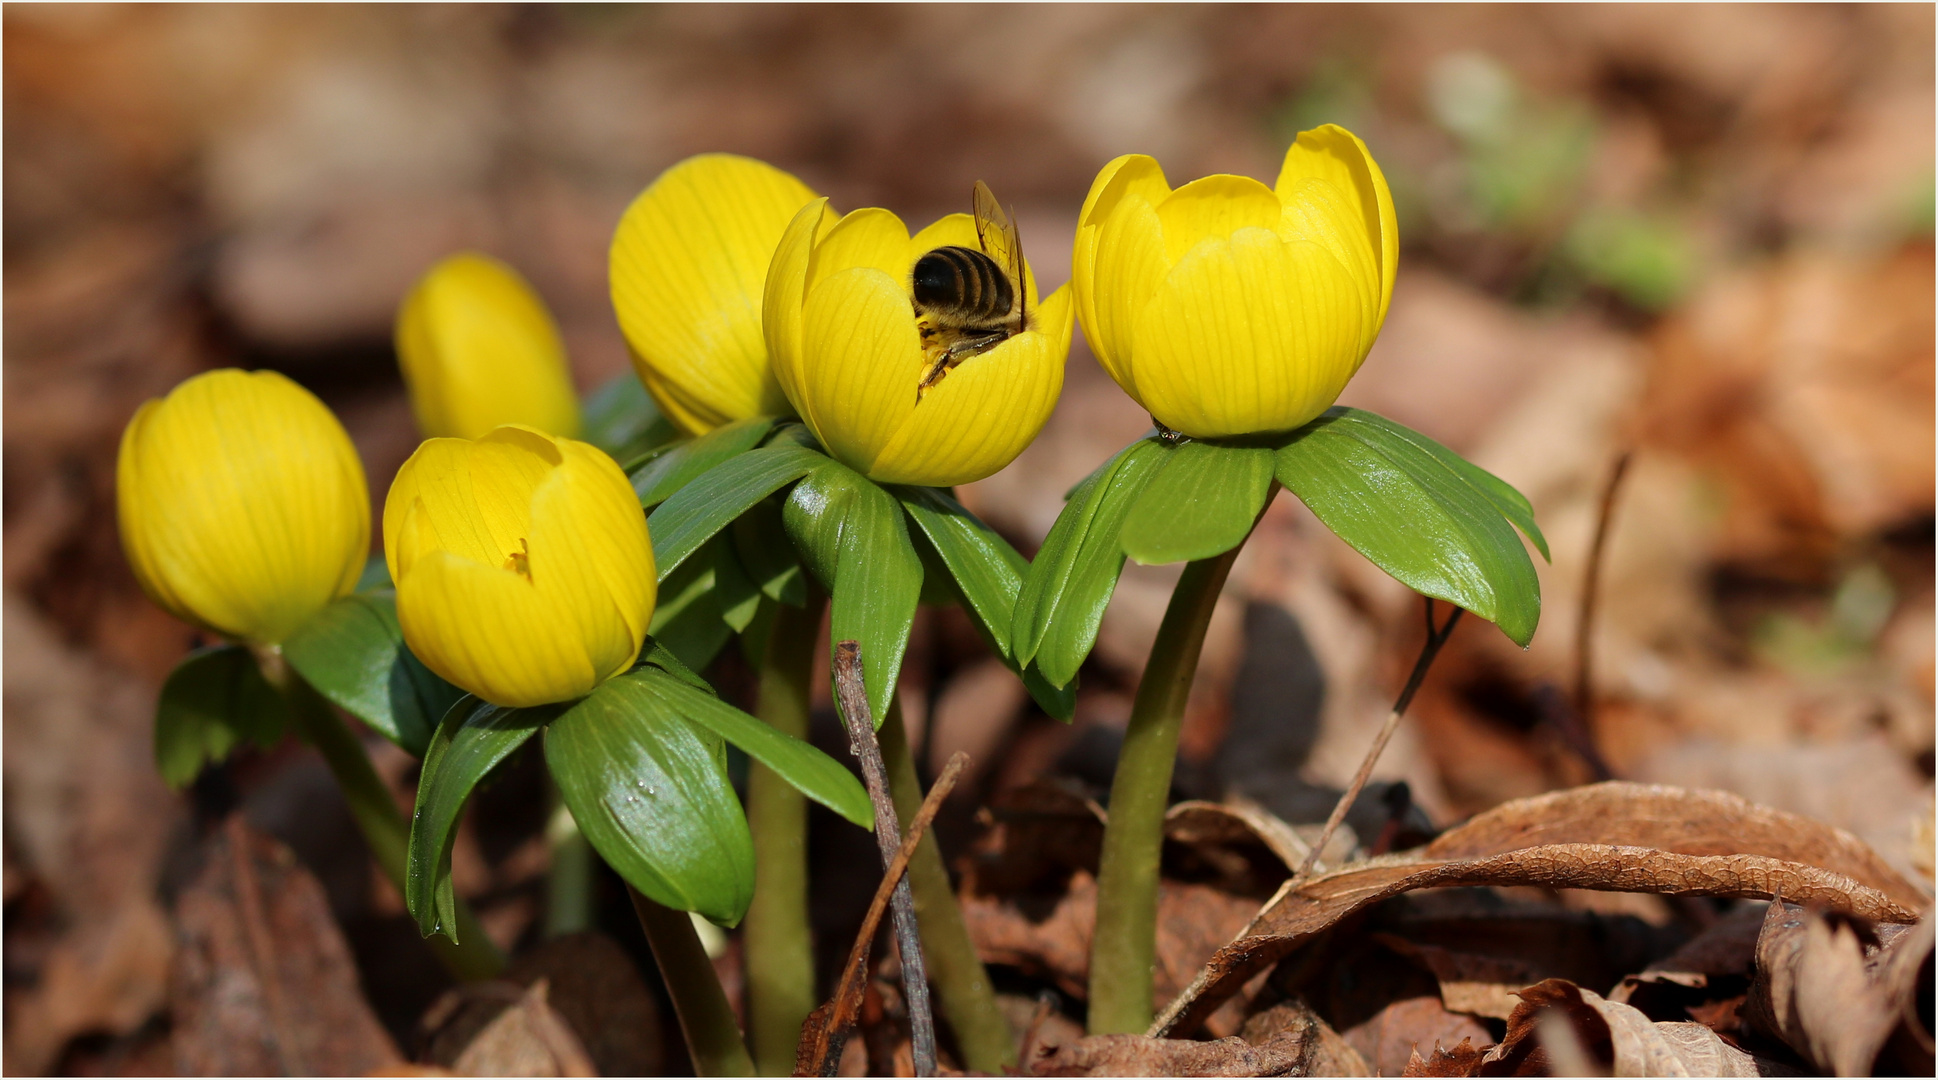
x,y
1436,637
825,1031
1590,591
851,693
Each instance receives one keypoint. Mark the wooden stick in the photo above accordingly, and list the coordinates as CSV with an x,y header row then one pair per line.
x,y
1436,637
851,693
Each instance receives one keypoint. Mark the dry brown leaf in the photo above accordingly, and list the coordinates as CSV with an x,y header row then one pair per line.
x,y
528,1039
1589,838
1477,985
263,983
1606,1034
1462,1060
1393,1037
1834,997
1331,1055
1289,1053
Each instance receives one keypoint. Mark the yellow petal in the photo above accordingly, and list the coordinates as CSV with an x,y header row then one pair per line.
x,y
1337,156
1213,208
1317,211
870,237
986,411
478,349
1130,264
784,294
1130,175
242,504
861,361
586,523
1248,335
491,633
688,265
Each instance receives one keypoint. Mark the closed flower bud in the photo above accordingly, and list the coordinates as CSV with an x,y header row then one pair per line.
x,y
478,349
1229,308
687,265
843,332
242,503
523,569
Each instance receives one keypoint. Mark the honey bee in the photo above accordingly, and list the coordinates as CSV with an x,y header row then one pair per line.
x,y
968,301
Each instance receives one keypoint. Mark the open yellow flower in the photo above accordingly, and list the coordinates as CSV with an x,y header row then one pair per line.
x,y
523,569
841,327
1229,308
242,504
479,349
687,266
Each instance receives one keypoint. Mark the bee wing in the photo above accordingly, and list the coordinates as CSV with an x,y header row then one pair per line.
x,y
997,235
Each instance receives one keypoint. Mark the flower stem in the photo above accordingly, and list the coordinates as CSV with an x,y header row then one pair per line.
x,y
968,999
375,811
1123,950
568,883
706,1019
779,943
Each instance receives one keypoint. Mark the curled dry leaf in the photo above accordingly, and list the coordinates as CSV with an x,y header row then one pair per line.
x,y
1395,1035
1462,1060
1476,985
1616,837
1289,1053
528,1039
1592,1031
1840,995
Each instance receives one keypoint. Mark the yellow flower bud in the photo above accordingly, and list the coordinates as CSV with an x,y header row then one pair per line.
x,y
1229,308
242,503
841,327
523,569
687,266
479,349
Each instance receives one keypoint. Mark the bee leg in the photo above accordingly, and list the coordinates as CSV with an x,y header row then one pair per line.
x,y
935,373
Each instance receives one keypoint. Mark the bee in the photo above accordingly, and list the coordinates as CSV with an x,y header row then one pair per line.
x,y
970,300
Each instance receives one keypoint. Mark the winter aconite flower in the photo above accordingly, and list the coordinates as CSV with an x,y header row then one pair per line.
x,y
478,349
242,503
1229,308
843,333
687,266
523,569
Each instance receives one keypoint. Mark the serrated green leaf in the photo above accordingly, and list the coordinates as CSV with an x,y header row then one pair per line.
x,y
760,539
1201,504
687,619
810,771
1512,505
354,654
853,536
665,474
622,419
713,500
214,700
1068,584
471,740
651,794
1421,521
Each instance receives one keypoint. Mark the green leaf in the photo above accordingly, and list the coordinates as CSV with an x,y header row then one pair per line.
x,y
856,541
1201,504
734,592
712,501
760,539
985,574
214,700
812,772
665,474
1068,584
794,433
473,738
1418,519
376,575
651,794
687,619
1512,505
621,419
354,654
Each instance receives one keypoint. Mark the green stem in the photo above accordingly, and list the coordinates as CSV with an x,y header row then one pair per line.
x,y
1123,952
568,883
968,999
779,945
375,811
706,1019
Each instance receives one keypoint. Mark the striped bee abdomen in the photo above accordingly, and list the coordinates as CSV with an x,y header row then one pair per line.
x,y
964,284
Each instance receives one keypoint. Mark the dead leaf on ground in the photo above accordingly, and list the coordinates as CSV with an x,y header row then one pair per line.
x,y
1607,1035
1299,1051
1462,1060
264,983
528,1039
1615,836
1394,1036
1841,995
1472,984
1330,1054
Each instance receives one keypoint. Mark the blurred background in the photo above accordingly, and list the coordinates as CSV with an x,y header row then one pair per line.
x,y
1700,237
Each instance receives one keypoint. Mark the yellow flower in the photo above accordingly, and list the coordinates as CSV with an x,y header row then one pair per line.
x,y
1229,308
687,266
242,503
841,327
478,349
523,569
